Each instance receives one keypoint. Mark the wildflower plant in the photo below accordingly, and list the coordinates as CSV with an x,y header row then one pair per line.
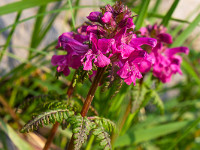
x,y
107,51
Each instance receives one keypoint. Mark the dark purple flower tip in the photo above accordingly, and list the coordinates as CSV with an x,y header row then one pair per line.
x,y
68,43
82,29
94,16
81,38
66,71
57,59
172,51
165,37
137,42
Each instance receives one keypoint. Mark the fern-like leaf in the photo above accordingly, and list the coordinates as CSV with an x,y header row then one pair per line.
x,y
45,118
51,96
158,101
81,129
106,123
103,137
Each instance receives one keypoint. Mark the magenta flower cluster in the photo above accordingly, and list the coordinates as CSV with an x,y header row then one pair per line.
x,y
109,40
166,62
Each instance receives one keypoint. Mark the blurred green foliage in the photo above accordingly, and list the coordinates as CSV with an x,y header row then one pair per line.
x,y
142,126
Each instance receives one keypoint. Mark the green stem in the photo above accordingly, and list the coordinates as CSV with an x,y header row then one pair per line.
x,y
89,144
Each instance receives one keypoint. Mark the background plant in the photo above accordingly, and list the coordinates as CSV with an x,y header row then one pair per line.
x,y
27,84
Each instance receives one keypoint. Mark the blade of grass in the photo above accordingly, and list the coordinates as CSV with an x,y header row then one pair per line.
x,y
191,70
48,25
156,6
173,19
42,14
180,27
76,10
168,16
37,26
142,13
21,5
42,30
185,133
184,35
141,135
10,36
72,14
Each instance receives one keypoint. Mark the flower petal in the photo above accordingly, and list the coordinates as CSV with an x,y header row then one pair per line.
x,y
104,45
171,51
144,66
57,59
137,42
106,17
102,60
66,71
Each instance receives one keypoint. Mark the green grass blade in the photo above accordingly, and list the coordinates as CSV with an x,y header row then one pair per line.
x,y
173,19
142,13
15,138
184,35
72,14
168,16
76,10
191,71
180,40
49,24
140,135
43,14
21,5
156,6
180,27
185,133
37,27
9,36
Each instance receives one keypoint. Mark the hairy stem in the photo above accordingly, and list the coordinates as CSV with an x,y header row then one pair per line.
x,y
52,134
89,99
56,125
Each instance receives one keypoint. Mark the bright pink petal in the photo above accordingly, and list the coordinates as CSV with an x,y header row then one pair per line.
x,y
171,51
137,42
106,17
102,61
104,45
